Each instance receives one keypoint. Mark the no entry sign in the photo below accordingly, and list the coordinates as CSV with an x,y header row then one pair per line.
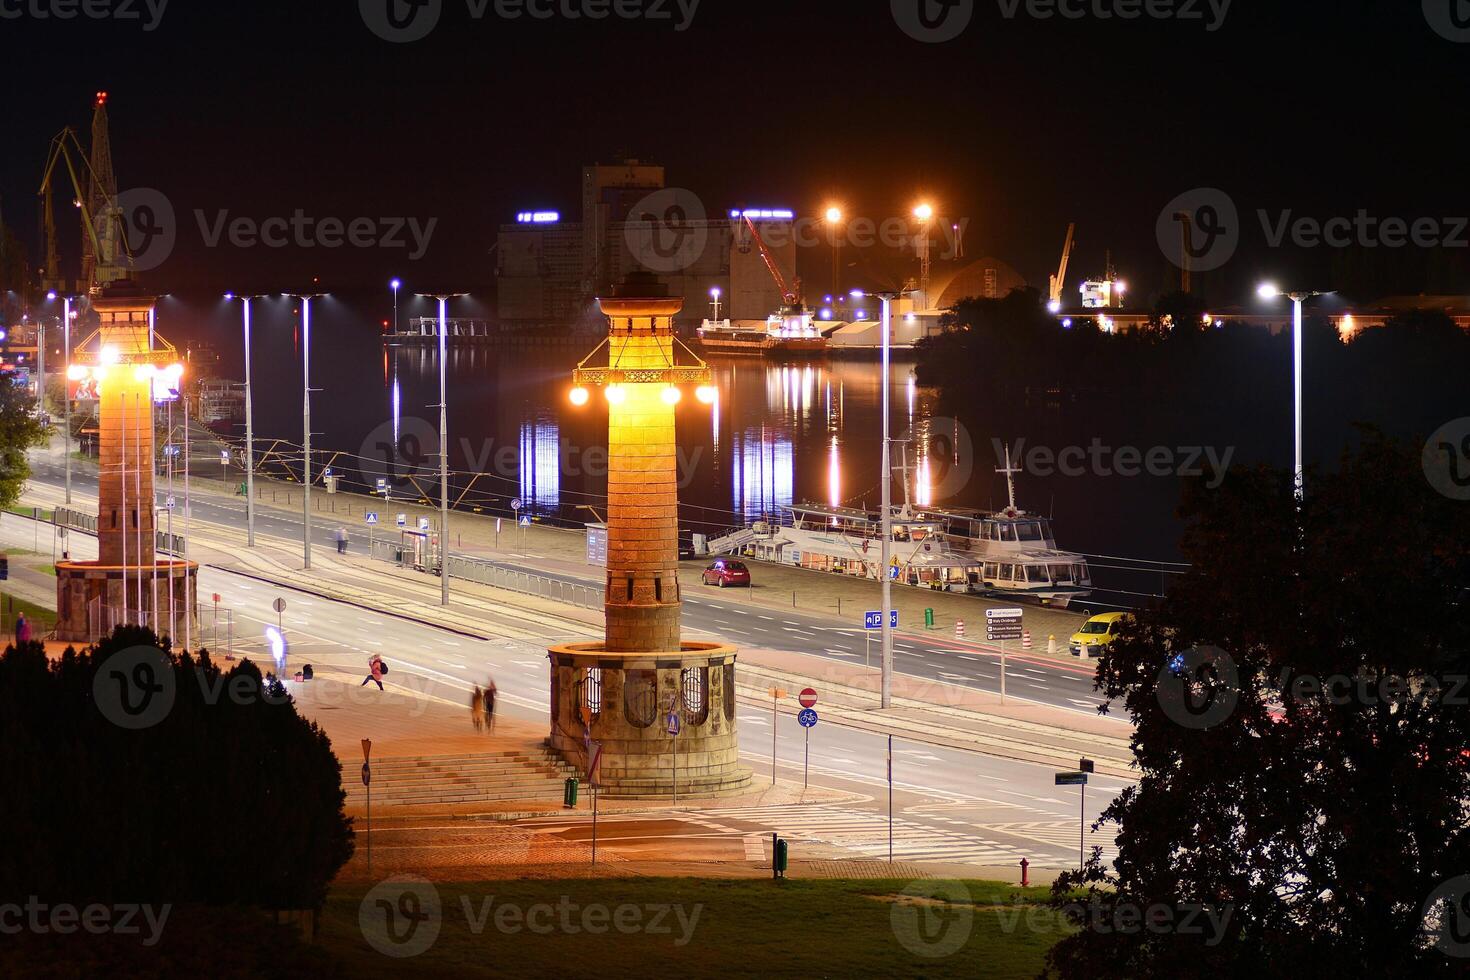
x,y
807,698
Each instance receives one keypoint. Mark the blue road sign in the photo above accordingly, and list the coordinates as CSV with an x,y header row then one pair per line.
x,y
673,726
371,517
806,718
525,522
402,520
873,619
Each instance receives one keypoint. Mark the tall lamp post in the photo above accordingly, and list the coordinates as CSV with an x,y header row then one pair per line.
x,y
249,429
394,286
885,556
925,214
306,299
65,393
834,218
443,299
1270,291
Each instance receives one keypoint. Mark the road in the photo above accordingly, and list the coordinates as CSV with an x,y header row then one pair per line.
x,y
949,805
1029,677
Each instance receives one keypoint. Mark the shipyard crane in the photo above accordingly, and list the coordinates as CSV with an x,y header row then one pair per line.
x,y
105,254
1058,281
791,294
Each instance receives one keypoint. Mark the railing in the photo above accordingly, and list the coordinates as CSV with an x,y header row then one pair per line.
x,y
485,573
77,521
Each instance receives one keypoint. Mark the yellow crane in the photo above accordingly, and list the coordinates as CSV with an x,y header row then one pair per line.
x,y
106,256
1054,298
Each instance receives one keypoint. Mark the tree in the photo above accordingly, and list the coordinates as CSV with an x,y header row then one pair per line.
x,y
20,429
1301,733
220,795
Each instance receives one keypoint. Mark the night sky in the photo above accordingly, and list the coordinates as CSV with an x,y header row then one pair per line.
x,y
1019,125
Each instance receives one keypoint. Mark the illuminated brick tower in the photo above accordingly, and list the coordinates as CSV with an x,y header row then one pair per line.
x,y
125,370
620,693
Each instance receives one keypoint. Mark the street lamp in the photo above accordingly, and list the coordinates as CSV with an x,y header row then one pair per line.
x,y
443,299
249,429
394,286
1270,291
714,295
66,394
924,213
834,218
886,630
306,299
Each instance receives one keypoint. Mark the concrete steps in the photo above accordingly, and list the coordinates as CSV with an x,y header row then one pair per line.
x,y
516,774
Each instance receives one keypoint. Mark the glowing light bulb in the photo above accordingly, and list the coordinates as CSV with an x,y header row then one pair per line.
x,y
670,395
142,372
616,395
111,355
706,394
76,372
578,395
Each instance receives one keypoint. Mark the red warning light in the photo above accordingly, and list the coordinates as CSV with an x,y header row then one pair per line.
x,y
100,101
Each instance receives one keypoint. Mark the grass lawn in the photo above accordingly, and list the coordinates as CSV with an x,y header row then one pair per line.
x,y
744,927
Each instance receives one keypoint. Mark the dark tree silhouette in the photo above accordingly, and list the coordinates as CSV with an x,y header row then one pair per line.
x,y
228,797
1310,778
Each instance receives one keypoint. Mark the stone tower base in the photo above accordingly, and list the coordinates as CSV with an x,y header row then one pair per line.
x,y
626,699
92,598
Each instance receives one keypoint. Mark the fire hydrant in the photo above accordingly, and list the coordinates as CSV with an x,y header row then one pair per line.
x,y
1025,876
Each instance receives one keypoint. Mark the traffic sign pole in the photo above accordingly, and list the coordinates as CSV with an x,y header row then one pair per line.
x,y
806,762
1002,672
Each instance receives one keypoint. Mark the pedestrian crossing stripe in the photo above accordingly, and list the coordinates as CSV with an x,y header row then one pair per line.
x,y
1060,833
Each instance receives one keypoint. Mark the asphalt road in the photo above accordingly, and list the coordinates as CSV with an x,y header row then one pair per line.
x,y
1029,677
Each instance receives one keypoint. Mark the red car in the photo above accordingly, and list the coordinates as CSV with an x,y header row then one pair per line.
x,y
726,572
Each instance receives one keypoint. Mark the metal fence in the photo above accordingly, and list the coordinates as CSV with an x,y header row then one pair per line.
x,y
486,573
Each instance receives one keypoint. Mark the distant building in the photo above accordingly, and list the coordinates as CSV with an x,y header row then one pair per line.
x,y
549,269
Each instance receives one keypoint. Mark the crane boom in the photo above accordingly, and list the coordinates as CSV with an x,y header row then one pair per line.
x,y
1058,281
790,295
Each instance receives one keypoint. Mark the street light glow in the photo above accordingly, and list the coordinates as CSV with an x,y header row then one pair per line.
x,y
834,215
706,394
670,395
578,395
1268,290
923,212
615,394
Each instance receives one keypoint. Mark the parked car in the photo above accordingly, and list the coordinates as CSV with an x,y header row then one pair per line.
x,y
1096,634
726,571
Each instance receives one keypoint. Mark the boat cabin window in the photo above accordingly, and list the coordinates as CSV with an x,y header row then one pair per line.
x,y
1007,532
992,569
1062,573
1029,530
1008,571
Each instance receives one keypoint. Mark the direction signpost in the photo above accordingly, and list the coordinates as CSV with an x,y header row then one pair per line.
x,y
1079,779
873,620
1001,625
807,719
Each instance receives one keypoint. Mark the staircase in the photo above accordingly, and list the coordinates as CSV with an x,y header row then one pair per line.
x,y
732,542
513,774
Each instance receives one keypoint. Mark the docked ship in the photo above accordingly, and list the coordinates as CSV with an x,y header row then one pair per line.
x,y
792,331
1017,551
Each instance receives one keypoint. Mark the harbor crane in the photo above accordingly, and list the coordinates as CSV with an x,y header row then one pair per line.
x,y
791,294
105,254
1054,299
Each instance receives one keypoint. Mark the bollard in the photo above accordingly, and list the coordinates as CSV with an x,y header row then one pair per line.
x,y
1025,639
928,619
1025,875
1051,643
959,628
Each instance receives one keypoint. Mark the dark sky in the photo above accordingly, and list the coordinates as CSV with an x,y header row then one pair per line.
x,y
1019,125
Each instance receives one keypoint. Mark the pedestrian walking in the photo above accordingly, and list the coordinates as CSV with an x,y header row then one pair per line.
x,y
22,629
477,709
376,670
341,540
490,705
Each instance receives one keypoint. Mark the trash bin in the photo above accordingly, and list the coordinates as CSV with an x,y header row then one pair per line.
x,y
569,793
779,859
928,619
